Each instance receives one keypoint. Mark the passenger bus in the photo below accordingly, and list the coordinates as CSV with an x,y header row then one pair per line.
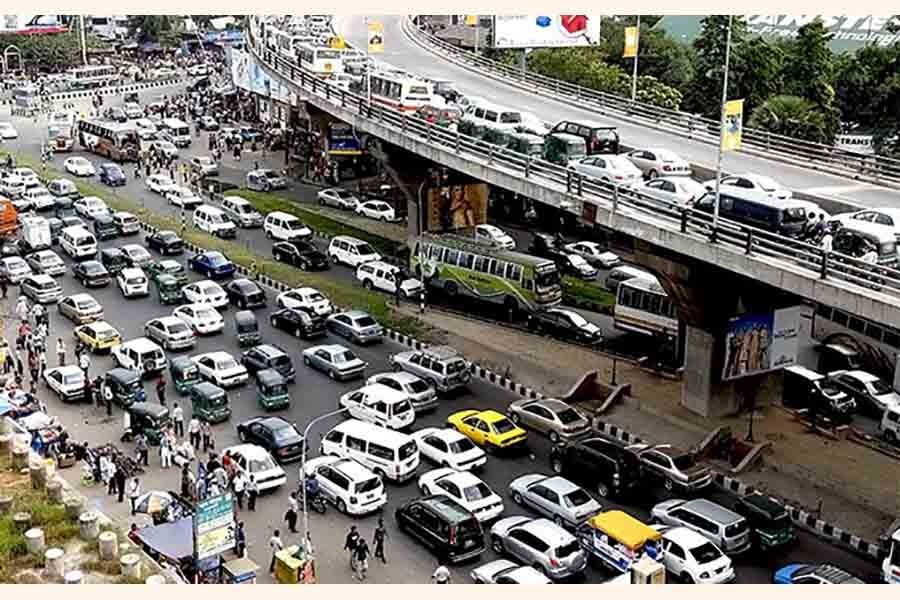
x,y
401,91
92,76
26,99
642,306
460,267
116,141
320,60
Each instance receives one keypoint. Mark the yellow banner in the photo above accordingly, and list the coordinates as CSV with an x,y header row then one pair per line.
x,y
631,42
376,38
471,20
734,125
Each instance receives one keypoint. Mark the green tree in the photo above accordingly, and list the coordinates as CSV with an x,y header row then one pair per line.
x,y
757,67
792,116
156,28
42,52
809,70
659,56
867,85
709,66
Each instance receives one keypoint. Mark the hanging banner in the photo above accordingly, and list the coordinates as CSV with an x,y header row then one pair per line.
x,y
734,125
471,20
376,38
631,42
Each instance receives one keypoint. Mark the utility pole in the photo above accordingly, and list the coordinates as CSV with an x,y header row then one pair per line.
x,y
83,39
722,125
634,73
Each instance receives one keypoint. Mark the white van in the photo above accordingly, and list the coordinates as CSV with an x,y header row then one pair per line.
x,y
213,221
390,454
492,116
78,242
176,131
282,226
382,276
351,251
35,233
377,403
241,212
351,487
141,355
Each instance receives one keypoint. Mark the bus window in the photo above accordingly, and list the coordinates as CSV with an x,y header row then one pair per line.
x,y
498,267
451,257
625,296
480,264
514,273
467,260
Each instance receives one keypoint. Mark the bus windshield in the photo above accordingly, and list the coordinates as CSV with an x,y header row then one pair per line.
x,y
328,54
547,278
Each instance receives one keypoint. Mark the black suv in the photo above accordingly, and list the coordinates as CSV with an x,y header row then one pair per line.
x,y
298,322
600,464
267,356
245,294
447,528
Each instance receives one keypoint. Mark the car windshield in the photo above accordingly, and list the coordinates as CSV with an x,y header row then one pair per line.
x,y
402,407
365,322
546,279
205,313
285,433
264,463
93,268
576,319
369,485
455,366
578,261
407,450
73,379
503,426
178,327
86,305
365,249
295,225
226,363
314,297
343,195
135,280
879,387
105,334
417,386
479,491
576,498
706,553
343,357
684,462
568,416
281,361
216,260
461,445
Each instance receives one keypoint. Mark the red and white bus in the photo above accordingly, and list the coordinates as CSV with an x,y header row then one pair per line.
x,y
401,91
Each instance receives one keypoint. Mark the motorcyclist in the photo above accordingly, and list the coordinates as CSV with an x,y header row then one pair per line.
x,y
311,487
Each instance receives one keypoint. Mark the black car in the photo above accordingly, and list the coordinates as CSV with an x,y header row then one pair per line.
x,y
112,175
104,227
276,435
300,254
565,324
545,245
447,528
165,242
91,273
245,294
600,465
268,356
298,322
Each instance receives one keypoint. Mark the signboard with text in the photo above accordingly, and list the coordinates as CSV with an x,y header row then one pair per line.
x,y
545,31
214,526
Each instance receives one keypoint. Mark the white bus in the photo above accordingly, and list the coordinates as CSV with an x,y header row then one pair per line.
x,y
176,131
321,60
401,91
110,27
281,43
92,76
642,306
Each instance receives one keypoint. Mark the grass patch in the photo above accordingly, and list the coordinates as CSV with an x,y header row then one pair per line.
x,y
587,295
101,567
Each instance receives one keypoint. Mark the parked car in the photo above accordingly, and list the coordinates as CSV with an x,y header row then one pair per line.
x,y
338,198
873,395
594,254
356,326
377,210
565,324
494,236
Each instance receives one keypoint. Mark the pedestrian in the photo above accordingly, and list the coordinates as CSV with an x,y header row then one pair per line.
x,y
84,361
350,542
33,367
178,419
165,451
378,540
42,363
142,449
239,485
441,574
361,559
252,493
221,478
240,540
206,432
22,310
108,473
185,480
60,352
161,389
194,432
20,369
134,492
276,545
3,286
827,242
120,482
290,516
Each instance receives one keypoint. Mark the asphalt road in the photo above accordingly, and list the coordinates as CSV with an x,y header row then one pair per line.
x,y
403,53
315,394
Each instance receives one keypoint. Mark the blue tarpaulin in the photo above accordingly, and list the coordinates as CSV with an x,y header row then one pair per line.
x,y
172,540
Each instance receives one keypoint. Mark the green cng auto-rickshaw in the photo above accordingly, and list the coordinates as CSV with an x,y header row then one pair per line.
x,y
185,374
560,148
210,403
526,143
168,290
147,418
271,390
247,329
168,267
123,387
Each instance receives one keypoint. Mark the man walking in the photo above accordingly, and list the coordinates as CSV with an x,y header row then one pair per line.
x,y
120,482
240,540
161,389
351,541
143,451
60,352
276,545
252,493
361,559
378,540
178,420
239,485
291,515
194,432
84,361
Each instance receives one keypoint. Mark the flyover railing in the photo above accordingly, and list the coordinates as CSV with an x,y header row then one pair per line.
x,y
874,168
576,189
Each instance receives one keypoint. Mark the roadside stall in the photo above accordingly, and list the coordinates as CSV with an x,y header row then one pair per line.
x,y
294,565
239,571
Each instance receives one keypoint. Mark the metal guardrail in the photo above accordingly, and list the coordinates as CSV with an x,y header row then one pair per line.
x,y
875,168
773,249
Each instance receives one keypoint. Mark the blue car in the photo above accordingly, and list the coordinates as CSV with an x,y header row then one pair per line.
x,y
814,574
112,175
212,264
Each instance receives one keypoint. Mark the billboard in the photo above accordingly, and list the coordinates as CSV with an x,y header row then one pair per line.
x,y
214,526
247,74
376,38
734,124
459,206
760,343
545,31
33,24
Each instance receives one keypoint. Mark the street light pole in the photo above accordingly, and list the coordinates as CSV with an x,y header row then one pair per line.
x,y
83,40
722,126
327,415
634,73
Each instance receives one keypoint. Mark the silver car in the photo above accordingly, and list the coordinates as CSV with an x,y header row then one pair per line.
x,y
338,198
505,571
555,418
170,332
80,308
335,360
540,543
421,395
46,261
356,326
554,497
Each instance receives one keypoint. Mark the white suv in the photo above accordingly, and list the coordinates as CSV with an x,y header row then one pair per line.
x,y
351,487
133,283
382,276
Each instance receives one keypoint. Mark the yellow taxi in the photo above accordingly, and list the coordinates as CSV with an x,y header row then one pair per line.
x,y
98,336
488,428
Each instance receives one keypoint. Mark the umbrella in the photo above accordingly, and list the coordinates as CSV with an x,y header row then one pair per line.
x,y
153,503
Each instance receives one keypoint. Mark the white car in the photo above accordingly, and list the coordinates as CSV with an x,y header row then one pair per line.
x,y
885,215
182,197
66,382
765,186
254,460
350,486
505,571
206,293
654,162
449,448
79,166
379,404
422,396
39,198
137,256
307,298
691,558
221,368
494,236
133,283
14,269
593,253
133,110
29,177
91,207
167,148
611,168
12,185
376,209
338,198
198,70
203,320
673,190
464,487
8,132
160,184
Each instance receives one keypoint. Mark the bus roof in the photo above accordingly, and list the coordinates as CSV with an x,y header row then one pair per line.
x,y
469,244
108,124
646,284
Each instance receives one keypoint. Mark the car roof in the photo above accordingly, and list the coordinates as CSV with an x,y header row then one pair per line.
x,y
560,485
269,349
330,348
548,531
400,377
712,510
352,469
448,507
684,537
861,375
141,342
248,450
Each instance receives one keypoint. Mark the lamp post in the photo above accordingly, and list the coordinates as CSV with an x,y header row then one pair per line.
x,y
83,39
634,73
722,126
327,415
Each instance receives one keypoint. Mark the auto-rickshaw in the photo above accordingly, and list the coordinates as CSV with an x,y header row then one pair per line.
x,y
527,144
64,207
123,387
770,524
271,390
113,259
498,137
560,148
247,329
168,290
185,374
147,418
619,540
209,403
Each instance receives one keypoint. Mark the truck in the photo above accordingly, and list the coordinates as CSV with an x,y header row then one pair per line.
x,y
35,234
8,219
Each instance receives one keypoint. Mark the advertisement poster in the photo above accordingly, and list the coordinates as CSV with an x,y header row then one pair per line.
x,y
631,42
734,125
33,24
760,343
248,75
214,526
455,207
376,38
545,31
